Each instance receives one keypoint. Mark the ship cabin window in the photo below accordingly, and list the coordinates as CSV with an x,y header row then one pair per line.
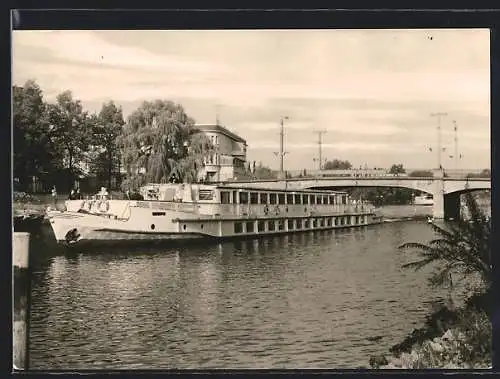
x,y
254,198
263,198
289,199
332,199
272,198
271,225
281,198
305,199
243,197
261,226
281,225
298,199
206,194
313,199
225,197
250,227
238,227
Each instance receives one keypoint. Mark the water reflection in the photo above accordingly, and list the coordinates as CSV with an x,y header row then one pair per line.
x,y
297,301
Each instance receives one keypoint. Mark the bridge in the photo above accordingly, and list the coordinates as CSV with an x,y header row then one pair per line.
x,y
446,191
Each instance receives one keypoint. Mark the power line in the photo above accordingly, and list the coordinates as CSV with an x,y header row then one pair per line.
x,y
320,155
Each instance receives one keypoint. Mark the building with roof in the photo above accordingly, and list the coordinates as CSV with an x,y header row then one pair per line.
x,y
228,161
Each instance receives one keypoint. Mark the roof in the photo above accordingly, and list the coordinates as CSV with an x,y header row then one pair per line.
x,y
219,129
234,186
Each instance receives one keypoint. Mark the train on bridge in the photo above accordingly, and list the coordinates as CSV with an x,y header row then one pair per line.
x,y
351,173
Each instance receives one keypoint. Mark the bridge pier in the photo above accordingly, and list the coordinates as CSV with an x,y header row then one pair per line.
x,y
452,206
438,211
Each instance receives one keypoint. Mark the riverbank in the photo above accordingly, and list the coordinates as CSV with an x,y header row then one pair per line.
x,y
451,339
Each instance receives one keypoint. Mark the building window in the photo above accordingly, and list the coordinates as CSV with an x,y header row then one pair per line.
x,y
315,223
325,199
297,199
305,199
289,199
332,200
313,199
216,140
320,199
254,197
306,224
290,224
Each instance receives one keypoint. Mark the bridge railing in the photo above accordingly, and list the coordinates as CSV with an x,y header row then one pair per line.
x,y
373,174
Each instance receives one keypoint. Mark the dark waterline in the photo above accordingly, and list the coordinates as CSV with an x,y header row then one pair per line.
x,y
310,300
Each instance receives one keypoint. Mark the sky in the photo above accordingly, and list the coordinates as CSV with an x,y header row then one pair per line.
x,y
372,91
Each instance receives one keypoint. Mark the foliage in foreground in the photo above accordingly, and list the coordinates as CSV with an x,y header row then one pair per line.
x,y
467,344
462,248
452,338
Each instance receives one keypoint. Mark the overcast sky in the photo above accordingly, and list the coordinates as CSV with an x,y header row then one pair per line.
x,y
372,90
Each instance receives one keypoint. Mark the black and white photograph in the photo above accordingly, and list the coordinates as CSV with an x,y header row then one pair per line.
x,y
251,199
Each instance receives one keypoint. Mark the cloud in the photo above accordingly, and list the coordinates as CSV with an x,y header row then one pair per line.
x,y
371,90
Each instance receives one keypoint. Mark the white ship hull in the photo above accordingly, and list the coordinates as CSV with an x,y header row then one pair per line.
x,y
173,221
423,200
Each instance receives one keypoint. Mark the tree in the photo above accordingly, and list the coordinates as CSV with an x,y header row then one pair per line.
x,y
462,247
32,152
486,173
397,169
161,139
337,164
264,172
106,129
71,130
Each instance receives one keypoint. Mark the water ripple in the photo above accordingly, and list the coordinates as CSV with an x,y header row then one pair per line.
x,y
312,300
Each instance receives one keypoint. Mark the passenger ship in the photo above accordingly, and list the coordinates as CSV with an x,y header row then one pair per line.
x,y
197,211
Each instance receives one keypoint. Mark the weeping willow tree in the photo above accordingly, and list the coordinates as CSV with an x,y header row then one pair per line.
x,y
160,141
461,249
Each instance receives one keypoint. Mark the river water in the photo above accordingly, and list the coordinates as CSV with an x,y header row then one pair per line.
x,y
310,300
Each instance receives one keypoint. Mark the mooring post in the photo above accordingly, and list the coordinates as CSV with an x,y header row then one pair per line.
x,y
22,289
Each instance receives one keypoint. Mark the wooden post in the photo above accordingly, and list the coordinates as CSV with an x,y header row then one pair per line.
x,y
20,330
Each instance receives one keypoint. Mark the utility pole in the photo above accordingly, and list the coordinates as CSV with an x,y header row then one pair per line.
x,y
456,144
320,155
217,120
282,153
439,148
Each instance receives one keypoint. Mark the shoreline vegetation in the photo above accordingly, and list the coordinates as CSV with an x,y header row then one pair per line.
x,y
453,337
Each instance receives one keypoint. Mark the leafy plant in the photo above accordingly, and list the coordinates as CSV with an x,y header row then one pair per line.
x,y
461,247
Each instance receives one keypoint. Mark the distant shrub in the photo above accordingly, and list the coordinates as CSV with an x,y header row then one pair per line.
x,y
421,174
